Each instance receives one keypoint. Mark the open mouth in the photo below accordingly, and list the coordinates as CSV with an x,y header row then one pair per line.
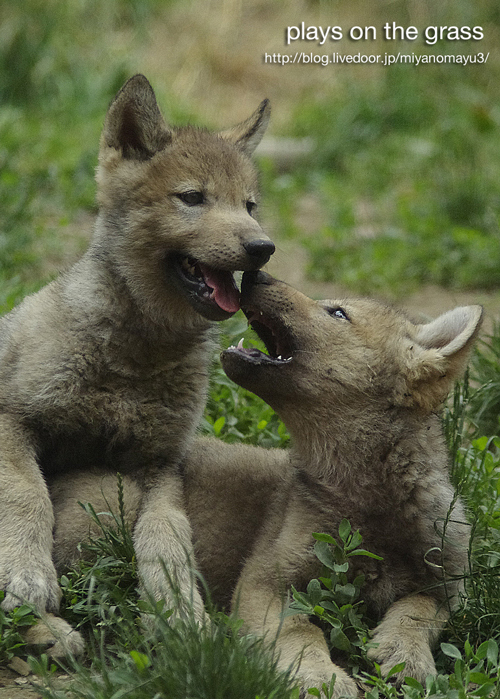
x,y
276,338
212,292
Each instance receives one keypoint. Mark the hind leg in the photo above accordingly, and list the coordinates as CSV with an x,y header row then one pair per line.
x,y
55,637
73,524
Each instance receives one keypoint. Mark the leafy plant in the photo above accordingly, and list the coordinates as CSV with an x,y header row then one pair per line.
x,y
11,626
334,599
475,675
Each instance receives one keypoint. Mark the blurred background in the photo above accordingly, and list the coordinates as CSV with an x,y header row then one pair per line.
x,y
389,186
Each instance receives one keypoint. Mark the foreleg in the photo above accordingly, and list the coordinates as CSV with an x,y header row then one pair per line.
x,y
407,633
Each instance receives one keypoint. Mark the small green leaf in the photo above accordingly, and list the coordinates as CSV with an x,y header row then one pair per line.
x,y
142,662
363,552
344,529
341,567
339,640
479,678
492,652
483,691
354,542
395,670
451,651
414,684
325,537
219,424
323,553
468,649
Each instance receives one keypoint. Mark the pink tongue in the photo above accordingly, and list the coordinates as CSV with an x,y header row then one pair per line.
x,y
225,292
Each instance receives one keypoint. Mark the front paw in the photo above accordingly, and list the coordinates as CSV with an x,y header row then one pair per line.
x,y
344,685
179,593
397,647
35,585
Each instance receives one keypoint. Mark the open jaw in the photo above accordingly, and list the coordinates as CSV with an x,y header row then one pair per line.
x,y
212,292
276,338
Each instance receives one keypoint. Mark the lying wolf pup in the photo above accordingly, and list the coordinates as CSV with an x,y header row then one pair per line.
x,y
358,385
108,364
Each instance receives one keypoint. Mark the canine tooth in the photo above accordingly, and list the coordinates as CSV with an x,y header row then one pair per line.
x,y
279,357
240,344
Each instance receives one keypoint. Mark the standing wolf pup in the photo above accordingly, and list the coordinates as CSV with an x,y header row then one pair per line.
x,y
108,364
358,385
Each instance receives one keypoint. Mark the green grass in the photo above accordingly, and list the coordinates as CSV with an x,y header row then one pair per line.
x,y
236,415
183,661
407,170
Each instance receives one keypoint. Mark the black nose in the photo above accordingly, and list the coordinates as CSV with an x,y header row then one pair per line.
x,y
260,250
251,279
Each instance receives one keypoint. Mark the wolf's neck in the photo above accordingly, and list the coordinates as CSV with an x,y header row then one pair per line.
x,y
366,453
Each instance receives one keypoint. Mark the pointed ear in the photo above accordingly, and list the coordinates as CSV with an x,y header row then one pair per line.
x,y
439,354
134,123
248,134
452,332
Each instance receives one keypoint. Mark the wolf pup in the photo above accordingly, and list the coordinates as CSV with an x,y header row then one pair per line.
x,y
358,385
108,364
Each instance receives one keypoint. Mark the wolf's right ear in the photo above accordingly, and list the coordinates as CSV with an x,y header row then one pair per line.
x,y
134,123
248,134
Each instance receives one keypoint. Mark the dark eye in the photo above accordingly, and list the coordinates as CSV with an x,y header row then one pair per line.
x,y
191,198
338,313
250,206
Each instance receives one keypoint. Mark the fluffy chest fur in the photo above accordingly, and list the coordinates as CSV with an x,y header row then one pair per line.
x,y
99,387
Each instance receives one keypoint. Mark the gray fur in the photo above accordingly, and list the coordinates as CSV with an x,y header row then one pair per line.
x,y
359,391
107,365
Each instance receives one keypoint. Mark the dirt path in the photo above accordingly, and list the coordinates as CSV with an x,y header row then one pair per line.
x,y
17,686
20,683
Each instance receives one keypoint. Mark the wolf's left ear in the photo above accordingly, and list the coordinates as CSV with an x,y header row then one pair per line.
x,y
451,333
248,134
134,124
439,354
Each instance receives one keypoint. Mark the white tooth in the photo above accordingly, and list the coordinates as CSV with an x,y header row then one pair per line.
x,y
240,344
232,347
260,313
279,357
